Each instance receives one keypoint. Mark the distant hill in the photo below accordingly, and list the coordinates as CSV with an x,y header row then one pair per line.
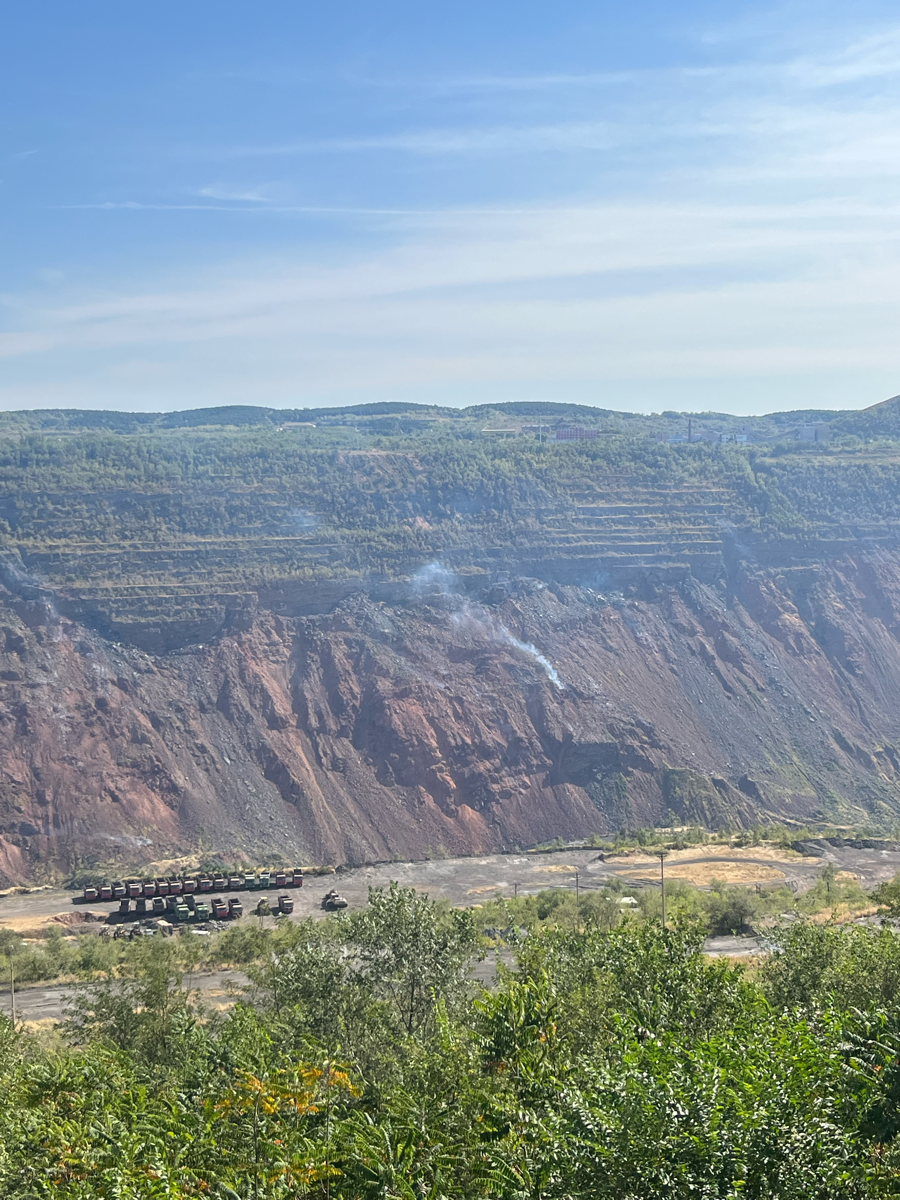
x,y
881,420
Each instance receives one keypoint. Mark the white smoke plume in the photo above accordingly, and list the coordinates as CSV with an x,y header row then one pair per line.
x,y
435,578
527,648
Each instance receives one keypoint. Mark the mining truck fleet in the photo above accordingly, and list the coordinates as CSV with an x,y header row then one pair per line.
x,y
190,898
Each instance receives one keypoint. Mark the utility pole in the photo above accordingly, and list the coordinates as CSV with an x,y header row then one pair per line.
x,y
515,891
661,855
12,992
577,892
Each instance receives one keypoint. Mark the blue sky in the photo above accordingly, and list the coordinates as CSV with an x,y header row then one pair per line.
x,y
641,206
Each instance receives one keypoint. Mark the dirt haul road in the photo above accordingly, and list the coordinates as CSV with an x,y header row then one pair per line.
x,y
470,881
462,881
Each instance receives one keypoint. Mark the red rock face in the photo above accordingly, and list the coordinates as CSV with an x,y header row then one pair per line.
x,y
433,725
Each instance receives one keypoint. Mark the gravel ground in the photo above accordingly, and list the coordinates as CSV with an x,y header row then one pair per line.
x,y
217,989
461,881
468,881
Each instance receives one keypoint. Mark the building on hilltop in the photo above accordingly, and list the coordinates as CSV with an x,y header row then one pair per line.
x,y
814,433
575,433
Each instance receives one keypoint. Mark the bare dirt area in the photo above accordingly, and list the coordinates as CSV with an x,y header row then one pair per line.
x,y
704,874
464,882
470,881
49,1004
753,854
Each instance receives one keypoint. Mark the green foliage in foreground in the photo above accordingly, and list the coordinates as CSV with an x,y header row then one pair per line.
x,y
608,1063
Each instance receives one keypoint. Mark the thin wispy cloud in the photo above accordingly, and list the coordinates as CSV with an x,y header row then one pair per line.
x,y
728,227
150,206
264,208
512,83
873,57
503,140
247,196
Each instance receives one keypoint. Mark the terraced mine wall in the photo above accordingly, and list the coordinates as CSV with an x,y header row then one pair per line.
x,y
455,720
408,652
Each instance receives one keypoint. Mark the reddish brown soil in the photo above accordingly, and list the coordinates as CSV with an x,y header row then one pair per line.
x,y
381,730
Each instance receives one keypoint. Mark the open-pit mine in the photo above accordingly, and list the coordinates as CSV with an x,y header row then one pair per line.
x,y
332,646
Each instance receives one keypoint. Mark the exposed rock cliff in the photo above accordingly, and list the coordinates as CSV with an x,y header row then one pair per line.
x,y
407,721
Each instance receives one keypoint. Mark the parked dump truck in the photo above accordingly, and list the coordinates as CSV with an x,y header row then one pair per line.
x,y
187,885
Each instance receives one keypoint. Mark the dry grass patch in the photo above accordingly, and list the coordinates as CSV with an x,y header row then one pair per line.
x,y
843,914
705,873
766,853
38,926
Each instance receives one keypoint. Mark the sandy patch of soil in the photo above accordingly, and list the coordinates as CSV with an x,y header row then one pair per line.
x,y
732,854
703,874
559,869
37,926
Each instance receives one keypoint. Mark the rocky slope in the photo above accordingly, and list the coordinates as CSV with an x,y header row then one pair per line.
x,y
432,717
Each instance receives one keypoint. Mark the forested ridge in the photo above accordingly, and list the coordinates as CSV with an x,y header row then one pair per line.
x,y
611,1059
101,509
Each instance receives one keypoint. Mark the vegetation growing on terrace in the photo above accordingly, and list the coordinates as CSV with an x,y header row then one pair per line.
x,y
197,513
